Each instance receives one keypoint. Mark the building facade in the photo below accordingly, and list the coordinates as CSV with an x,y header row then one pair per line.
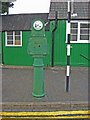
x,y
16,33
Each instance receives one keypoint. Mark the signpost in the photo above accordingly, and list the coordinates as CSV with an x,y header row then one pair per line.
x,y
68,47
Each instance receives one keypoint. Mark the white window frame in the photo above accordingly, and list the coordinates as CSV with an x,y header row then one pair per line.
x,y
13,39
78,33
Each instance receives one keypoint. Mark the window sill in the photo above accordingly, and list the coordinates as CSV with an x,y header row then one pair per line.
x,y
84,41
13,45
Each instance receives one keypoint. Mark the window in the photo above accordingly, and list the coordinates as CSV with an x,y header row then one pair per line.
x,y
80,32
14,38
74,31
84,31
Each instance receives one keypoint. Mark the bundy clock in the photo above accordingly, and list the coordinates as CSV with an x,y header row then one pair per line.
x,y
38,25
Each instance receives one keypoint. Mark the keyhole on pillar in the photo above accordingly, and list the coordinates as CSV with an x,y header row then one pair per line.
x,y
38,45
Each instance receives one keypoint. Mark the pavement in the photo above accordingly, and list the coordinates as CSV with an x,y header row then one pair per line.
x,y
17,84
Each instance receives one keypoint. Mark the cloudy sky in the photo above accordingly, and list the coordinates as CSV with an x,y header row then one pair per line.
x,y
30,6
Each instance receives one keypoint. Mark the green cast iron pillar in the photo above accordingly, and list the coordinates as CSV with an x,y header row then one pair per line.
x,y
38,83
37,48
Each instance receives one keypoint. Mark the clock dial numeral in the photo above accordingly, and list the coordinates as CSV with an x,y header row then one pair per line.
x,y
38,25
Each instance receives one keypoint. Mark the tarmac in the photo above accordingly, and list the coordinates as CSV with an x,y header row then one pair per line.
x,y
17,85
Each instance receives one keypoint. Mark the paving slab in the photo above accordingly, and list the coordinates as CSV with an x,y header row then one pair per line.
x,y
17,84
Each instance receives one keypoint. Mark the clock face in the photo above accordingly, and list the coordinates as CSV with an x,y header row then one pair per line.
x,y
38,25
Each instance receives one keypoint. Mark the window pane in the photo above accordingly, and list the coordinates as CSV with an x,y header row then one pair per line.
x,y
17,32
10,33
17,37
73,37
74,31
89,28
17,42
83,25
84,37
74,25
84,31
9,37
9,42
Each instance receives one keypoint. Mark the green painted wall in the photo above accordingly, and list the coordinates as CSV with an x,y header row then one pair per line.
x,y
19,56
77,49
60,45
76,52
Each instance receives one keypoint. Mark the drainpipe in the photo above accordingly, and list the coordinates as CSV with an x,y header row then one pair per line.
x,y
2,53
53,34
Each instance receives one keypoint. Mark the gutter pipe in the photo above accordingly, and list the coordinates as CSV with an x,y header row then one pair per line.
x,y
53,39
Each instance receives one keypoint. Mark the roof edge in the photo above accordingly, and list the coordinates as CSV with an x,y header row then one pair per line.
x,y
25,14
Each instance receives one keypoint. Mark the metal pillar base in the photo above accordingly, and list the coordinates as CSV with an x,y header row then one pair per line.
x,y
38,83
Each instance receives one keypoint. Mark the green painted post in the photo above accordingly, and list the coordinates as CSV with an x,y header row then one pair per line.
x,y
37,48
38,83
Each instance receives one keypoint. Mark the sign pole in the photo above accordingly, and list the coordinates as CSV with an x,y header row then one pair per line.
x,y
68,48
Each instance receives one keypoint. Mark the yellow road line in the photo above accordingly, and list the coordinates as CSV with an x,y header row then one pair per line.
x,y
55,113
79,114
